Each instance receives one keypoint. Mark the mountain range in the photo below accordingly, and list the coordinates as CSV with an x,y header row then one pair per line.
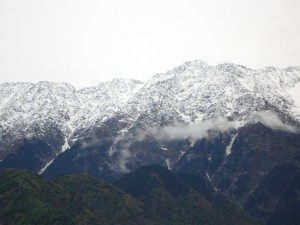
x,y
234,126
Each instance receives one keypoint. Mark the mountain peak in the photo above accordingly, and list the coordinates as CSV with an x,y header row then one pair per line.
x,y
122,81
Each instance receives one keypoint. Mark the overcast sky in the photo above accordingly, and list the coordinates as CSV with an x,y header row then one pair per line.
x,y
85,42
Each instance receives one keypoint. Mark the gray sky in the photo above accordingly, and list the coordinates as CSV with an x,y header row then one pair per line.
x,y
84,42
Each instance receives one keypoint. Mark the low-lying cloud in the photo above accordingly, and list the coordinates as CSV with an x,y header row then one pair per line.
x,y
272,120
207,129
203,129
195,131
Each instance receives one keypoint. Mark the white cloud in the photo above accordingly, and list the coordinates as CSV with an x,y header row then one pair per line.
x,y
272,120
193,132
203,129
120,150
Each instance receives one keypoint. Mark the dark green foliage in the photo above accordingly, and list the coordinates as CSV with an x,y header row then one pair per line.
x,y
160,198
26,198
181,198
109,203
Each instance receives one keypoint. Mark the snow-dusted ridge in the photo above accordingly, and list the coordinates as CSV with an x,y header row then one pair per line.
x,y
192,92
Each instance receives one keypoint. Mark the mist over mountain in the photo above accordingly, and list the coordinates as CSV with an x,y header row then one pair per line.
x,y
236,127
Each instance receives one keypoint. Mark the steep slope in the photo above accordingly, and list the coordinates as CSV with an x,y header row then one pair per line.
x,y
55,115
80,199
28,199
36,112
175,199
101,102
196,91
249,166
109,204
277,200
186,95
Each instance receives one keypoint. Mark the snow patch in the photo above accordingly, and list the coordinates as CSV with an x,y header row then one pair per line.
x,y
192,144
229,147
70,126
123,131
295,95
229,105
168,164
209,158
185,118
208,177
64,147
46,166
199,117
181,154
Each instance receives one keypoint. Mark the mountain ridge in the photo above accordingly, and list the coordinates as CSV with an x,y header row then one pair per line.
x,y
192,92
229,123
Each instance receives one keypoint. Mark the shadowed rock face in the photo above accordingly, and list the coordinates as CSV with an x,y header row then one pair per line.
x,y
259,173
255,153
180,198
29,155
276,200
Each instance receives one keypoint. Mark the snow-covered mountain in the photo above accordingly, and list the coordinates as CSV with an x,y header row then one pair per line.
x,y
194,91
52,112
236,126
99,103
